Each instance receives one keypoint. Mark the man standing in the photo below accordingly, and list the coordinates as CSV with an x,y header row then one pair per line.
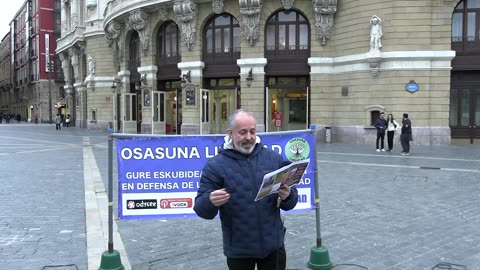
x,y
381,125
406,136
253,232
58,121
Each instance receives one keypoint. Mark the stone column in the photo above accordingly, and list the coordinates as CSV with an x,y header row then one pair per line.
x,y
149,73
253,96
191,113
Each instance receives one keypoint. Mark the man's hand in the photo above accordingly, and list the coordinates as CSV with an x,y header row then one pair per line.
x,y
219,197
284,192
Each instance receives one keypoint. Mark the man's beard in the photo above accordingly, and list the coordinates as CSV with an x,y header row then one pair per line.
x,y
245,147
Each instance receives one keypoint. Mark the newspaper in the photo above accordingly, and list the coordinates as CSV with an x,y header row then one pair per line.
x,y
289,175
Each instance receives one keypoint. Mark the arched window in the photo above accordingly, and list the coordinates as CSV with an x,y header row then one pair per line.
x,y
168,43
287,33
466,26
221,38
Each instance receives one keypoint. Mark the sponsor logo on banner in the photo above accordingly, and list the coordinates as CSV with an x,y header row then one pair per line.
x,y
141,204
297,149
176,203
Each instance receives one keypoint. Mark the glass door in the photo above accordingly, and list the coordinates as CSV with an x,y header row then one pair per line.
x,y
129,113
223,103
158,112
287,104
465,113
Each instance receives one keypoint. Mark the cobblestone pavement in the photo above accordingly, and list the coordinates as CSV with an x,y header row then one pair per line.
x,y
42,218
381,210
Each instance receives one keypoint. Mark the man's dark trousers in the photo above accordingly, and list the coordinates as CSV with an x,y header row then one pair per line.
x,y
274,261
381,137
405,140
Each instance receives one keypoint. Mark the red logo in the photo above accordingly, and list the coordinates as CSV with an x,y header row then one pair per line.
x,y
176,203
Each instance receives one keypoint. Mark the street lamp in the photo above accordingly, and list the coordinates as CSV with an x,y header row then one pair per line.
x,y
50,68
250,77
186,78
117,82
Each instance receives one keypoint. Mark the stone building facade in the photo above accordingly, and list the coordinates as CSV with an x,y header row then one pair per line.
x,y
182,66
29,89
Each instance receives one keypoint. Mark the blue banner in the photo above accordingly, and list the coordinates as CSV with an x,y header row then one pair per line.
x,y
159,176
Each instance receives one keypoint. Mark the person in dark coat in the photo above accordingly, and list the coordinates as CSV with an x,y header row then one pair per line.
x,y
406,135
253,231
381,126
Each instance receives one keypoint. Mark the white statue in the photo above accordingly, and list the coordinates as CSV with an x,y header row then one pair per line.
x,y
91,66
376,33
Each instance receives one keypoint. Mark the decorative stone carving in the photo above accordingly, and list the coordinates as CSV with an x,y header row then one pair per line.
x,y
112,35
162,14
65,66
140,22
324,11
217,6
374,62
74,54
186,11
114,29
376,33
250,10
287,4
91,66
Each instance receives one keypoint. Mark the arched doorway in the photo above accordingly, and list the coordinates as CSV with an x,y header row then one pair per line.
x,y
168,76
132,106
287,49
465,77
221,93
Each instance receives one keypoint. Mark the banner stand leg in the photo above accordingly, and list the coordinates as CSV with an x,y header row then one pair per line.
x,y
111,258
319,257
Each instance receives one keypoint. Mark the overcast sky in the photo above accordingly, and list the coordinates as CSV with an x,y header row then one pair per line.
x,y
8,9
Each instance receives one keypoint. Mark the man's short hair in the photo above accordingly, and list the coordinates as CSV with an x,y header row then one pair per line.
x,y
234,114
405,115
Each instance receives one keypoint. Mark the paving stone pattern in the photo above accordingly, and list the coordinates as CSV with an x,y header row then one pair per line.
x,y
42,218
383,218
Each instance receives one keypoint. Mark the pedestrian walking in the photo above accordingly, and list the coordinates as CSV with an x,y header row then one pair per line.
x,y
253,232
406,136
58,122
68,120
381,126
392,126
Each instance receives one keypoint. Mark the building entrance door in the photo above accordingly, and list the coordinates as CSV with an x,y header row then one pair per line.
x,y
173,111
158,112
129,113
223,103
287,103
465,113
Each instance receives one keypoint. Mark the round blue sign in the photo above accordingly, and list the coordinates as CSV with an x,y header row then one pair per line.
x,y
412,87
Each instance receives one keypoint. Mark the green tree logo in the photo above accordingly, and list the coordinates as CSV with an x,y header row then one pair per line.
x,y
297,149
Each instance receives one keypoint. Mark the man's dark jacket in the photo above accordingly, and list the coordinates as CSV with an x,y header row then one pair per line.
x,y
381,125
250,228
